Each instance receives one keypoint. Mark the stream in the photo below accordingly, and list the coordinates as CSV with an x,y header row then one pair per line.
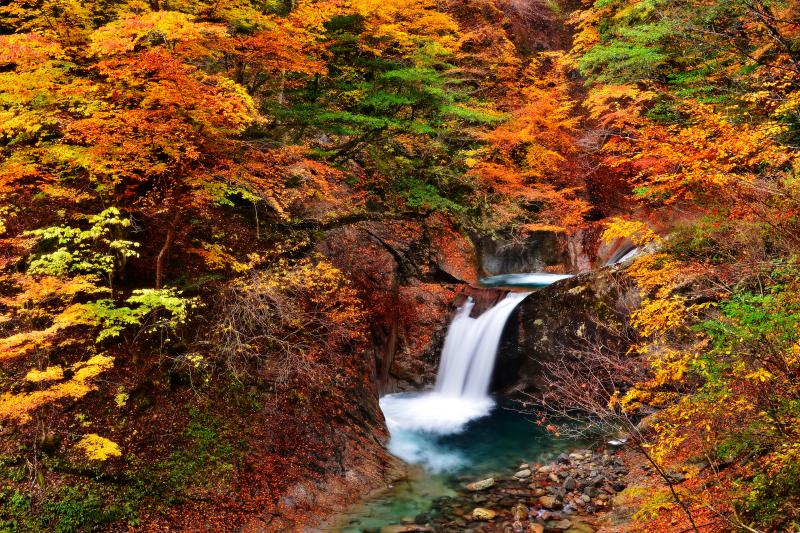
x,y
491,445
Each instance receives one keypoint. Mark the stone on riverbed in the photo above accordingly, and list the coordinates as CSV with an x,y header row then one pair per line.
x,y
481,485
560,524
405,529
481,513
548,502
522,474
519,512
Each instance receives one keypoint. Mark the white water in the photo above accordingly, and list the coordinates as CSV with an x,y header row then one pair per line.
x,y
623,255
462,390
470,349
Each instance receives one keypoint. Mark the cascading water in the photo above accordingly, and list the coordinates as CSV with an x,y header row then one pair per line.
x,y
470,349
623,255
462,389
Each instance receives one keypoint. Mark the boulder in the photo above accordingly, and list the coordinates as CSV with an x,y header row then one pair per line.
x,y
523,474
549,502
484,514
481,485
400,528
581,527
519,512
560,525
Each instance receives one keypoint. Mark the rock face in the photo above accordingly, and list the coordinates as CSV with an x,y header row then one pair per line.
x,y
541,250
556,317
410,272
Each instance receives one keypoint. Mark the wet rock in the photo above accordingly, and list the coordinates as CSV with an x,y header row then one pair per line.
x,y
591,491
548,502
570,484
581,527
523,466
519,512
523,474
401,528
481,485
560,525
618,486
563,458
484,514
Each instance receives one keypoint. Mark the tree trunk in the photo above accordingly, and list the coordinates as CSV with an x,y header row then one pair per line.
x,y
162,254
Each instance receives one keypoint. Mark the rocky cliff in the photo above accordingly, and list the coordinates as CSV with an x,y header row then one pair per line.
x,y
556,318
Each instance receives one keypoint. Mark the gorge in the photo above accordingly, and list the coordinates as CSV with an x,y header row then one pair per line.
x,y
255,253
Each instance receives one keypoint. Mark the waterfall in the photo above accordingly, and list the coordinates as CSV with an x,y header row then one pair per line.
x,y
417,420
470,349
623,255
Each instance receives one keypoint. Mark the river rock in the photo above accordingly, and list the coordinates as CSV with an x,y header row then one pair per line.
x,y
570,483
560,524
523,474
482,513
581,527
618,486
481,485
535,528
400,528
548,502
519,512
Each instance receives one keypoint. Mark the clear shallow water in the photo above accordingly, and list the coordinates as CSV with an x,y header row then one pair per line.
x,y
492,444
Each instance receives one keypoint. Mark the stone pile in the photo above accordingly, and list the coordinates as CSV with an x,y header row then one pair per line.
x,y
562,496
